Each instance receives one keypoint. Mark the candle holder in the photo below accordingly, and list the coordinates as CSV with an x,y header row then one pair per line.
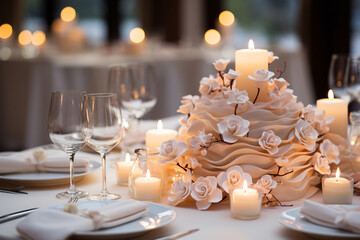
x,y
337,190
245,203
123,169
145,177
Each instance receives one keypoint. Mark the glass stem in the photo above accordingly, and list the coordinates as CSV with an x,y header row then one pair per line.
x,y
104,190
72,186
138,126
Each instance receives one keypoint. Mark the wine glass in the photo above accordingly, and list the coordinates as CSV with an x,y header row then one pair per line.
x,y
136,86
103,130
352,76
337,78
64,126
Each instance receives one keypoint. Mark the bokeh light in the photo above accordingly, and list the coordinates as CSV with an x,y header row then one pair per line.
x,y
226,18
38,38
137,35
212,37
68,14
25,37
5,31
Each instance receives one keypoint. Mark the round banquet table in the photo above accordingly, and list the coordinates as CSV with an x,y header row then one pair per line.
x,y
215,223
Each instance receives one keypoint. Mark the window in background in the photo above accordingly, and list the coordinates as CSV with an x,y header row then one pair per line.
x,y
33,16
355,28
129,20
268,22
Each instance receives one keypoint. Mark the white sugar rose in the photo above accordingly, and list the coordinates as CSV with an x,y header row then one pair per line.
x,y
189,99
271,57
281,162
186,109
171,150
231,74
280,100
39,155
270,142
261,77
330,151
279,84
237,97
204,191
265,183
322,165
180,190
234,176
306,134
308,114
195,144
233,127
221,64
208,85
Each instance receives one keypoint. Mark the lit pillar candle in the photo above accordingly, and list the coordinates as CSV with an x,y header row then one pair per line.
x,y
247,62
147,188
337,190
123,169
337,108
245,202
155,137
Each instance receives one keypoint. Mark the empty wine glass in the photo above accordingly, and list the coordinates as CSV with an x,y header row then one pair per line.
x,y
337,77
64,126
103,130
136,86
352,76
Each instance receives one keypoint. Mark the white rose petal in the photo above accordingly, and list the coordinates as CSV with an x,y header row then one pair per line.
x,y
234,176
261,77
271,57
330,151
221,64
266,183
231,75
180,190
204,191
208,85
171,150
233,127
322,165
306,134
270,142
237,97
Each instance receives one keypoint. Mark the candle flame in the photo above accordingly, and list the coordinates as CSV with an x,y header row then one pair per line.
x,y
127,157
148,174
337,174
160,125
251,44
245,185
331,94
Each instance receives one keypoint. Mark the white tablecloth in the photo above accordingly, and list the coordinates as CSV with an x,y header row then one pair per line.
x,y
214,223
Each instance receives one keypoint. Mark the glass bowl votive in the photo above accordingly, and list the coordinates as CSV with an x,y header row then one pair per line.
x,y
337,190
145,181
123,169
245,203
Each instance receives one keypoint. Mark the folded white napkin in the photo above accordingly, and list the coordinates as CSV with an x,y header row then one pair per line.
x,y
332,216
50,224
40,161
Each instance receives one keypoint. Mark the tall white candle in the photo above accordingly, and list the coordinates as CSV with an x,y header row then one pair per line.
x,y
147,188
337,190
247,62
155,137
337,108
245,202
123,169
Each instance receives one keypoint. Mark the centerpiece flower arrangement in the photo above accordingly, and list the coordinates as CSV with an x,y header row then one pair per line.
x,y
279,146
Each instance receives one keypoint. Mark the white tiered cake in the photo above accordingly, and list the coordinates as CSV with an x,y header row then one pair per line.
x,y
278,144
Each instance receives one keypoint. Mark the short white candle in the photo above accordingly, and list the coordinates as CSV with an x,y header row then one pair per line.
x,y
337,190
338,108
245,202
155,137
247,62
147,188
123,169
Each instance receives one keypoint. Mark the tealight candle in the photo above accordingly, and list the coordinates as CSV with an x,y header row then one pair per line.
x,y
123,169
245,202
155,137
337,108
147,188
337,190
247,62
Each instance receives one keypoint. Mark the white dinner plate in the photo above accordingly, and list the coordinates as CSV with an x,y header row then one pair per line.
x,y
47,179
157,216
294,220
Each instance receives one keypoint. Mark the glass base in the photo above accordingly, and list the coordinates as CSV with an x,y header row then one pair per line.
x,y
102,196
245,217
72,194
